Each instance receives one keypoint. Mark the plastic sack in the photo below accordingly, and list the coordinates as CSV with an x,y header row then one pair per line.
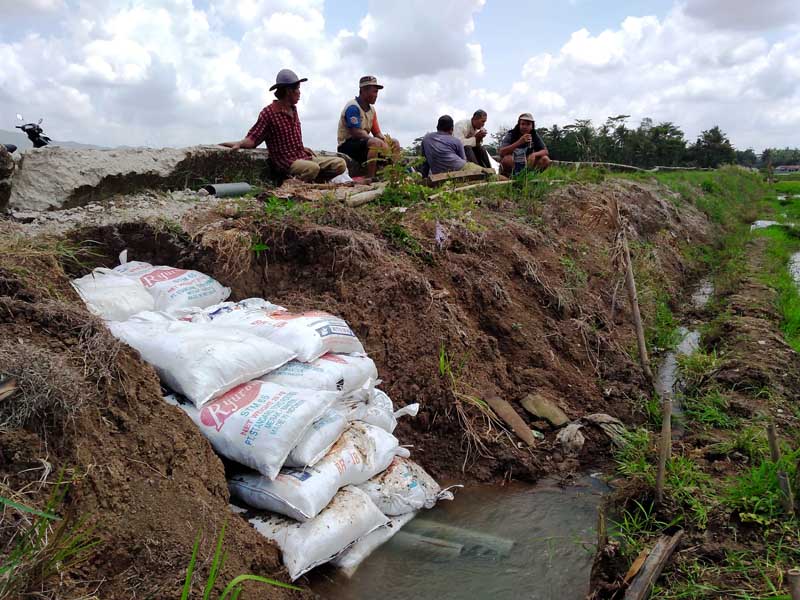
x,y
404,487
257,423
112,296
380,411
324,432
309,335
173,289
350,516
341,372
361,452
349,560
199,361
319,438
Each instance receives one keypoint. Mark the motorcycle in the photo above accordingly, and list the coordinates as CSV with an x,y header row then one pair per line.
x,y
34,132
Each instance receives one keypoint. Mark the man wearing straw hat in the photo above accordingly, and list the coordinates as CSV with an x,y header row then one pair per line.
x,y
359,135
278,125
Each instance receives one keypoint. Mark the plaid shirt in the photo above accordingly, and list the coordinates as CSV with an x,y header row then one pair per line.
x,y
281,132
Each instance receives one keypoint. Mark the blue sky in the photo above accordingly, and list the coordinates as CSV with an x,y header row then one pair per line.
x,y
180,72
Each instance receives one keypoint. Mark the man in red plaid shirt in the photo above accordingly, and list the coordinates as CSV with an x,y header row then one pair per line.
x,y
279,127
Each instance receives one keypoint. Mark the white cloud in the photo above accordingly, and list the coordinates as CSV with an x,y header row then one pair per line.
x,y
744,14
176,72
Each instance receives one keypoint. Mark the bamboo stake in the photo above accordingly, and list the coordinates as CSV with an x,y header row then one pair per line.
x,y
472,186
783,479
665,447
633,297
793,576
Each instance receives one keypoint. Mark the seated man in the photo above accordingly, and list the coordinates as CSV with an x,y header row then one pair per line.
x,y
471,133
279,127
443,151
359,135
522,147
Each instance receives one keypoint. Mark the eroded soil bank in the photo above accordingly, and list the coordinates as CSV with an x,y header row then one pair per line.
x,y
518,294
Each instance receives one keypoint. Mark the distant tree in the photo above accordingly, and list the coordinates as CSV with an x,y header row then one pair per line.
x,y
712,149
746,158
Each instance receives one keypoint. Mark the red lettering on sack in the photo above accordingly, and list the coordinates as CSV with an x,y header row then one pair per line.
x,y
333,358
217,412
160,275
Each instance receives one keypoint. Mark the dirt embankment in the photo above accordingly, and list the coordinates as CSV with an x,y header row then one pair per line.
x,y
508,302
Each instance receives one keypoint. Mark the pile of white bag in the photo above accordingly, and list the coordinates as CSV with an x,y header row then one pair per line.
x,y
290,396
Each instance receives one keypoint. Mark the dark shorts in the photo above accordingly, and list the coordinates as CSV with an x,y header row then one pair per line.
x,y
355,148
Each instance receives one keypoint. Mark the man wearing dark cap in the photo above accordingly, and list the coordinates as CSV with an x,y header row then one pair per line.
x,y
279,127
359,135
445,152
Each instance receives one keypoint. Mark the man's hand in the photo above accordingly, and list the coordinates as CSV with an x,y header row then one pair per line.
x,y
310,151
479,135
525,138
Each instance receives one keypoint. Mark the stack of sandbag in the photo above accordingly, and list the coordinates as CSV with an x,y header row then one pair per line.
x,y
291,397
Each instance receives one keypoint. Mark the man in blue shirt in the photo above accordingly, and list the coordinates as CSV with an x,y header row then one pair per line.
x,y
522,147
443,151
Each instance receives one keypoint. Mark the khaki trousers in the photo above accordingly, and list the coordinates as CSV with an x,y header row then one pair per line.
x,y
318,167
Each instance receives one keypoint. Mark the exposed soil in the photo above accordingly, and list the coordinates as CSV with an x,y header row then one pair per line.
x,y
760,374
516,302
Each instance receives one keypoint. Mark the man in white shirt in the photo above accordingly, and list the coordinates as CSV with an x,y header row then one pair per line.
x,y
471,133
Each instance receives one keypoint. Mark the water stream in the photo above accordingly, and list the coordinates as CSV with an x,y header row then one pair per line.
x,y
504,543
667,383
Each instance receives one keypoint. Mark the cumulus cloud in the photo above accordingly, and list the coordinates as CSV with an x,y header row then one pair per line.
x,y
177,72
744,14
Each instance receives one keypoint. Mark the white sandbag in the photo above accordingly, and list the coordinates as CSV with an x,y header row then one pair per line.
x,y
112,296
257,423
324,432
349,560
361,452
173,289
380,411
198,360
342,372
319,438
404,487
350,516
308,334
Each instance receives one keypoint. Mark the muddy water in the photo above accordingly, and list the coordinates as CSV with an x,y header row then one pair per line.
x,y
667,383
794,268
504,543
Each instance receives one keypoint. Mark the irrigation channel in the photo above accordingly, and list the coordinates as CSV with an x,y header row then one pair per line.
x,y
505,543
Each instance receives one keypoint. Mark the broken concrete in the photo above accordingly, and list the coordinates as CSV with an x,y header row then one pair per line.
x,y
54,178
539,406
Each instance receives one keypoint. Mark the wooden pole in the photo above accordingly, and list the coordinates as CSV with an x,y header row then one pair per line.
x,y
639,588
633,297
793,576
783,479
665,447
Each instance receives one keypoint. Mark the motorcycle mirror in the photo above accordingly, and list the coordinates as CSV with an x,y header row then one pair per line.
x,y
19,117
39,122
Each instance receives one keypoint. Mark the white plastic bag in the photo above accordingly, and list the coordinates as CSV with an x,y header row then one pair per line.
x,y
173,289
341,372
308,334
319,438
112,296
349,560
361,452
257,423
380,411
350,516
197,360
324,432
404,487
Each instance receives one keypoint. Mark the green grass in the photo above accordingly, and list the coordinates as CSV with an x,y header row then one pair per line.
x,y
43,548
662,333
755,494
696,369
709,410
787,187
782,244
234,587
748,441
